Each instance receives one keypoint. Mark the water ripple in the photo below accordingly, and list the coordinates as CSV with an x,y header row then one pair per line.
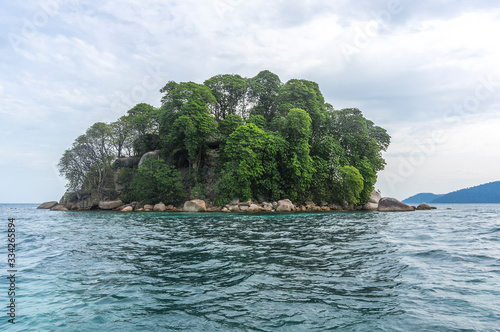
x,y
91,271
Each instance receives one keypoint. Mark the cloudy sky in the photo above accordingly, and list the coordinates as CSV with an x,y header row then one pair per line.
x,y
427,71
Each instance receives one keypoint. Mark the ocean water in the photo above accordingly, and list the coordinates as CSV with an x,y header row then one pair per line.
x,y
347,271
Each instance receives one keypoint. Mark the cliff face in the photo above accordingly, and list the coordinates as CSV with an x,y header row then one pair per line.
x,y
80,200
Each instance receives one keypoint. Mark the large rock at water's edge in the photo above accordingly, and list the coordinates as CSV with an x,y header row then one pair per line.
x,y
285,205
253,208
79,200
387,204
195,205
155,153
47,205
59,207
160,207
375,197
370,206
424,206
110,205
128,208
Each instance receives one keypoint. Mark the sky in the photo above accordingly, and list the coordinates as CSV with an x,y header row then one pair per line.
x,y
427,71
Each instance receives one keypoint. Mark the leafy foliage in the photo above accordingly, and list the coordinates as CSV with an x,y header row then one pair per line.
x,y
229,92
143,120
263,92
251,167
88,164
186,125
299,170
156,181
352,184
362,142
229,125
258,120
304,95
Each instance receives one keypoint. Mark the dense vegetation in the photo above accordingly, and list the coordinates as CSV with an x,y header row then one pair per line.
x,y
232,137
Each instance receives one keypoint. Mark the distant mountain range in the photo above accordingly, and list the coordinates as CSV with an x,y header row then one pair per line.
x,y
485,193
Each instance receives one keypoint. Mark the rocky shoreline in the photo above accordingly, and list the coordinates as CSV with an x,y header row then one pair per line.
x,y
376,203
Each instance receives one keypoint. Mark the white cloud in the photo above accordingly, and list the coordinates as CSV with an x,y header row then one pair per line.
x,y
92,61
443,159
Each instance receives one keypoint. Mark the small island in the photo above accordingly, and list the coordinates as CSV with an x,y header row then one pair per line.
x,y
232,144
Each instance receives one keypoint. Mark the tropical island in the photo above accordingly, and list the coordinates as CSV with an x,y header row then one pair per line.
x,y
227,141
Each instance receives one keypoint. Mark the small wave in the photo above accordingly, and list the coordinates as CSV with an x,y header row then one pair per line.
x,y
260,272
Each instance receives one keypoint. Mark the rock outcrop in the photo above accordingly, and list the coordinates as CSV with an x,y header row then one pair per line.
x,y
425,206
253,208
79,200
334,207
47,205
172,208
266,207
195,205
160,207
388,204
155,153
370,206
110,205
285,205
375,197
59,207
127,208
127,162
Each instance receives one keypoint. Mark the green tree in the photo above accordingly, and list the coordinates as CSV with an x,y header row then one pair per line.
x,y
176,95
263,91
304,95
363,143
157,181
144,121
252,166
352,184
229,125
88,164
123,136
379,134
186,125
299,168
75,164
328,157
258,120
230,95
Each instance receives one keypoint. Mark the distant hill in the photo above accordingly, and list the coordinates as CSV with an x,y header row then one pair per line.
x,y
485,193
421,198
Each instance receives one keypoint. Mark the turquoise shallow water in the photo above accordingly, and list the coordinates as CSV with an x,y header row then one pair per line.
x,y
359,271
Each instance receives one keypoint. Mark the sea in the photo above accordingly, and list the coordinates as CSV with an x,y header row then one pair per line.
x,y
433,270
